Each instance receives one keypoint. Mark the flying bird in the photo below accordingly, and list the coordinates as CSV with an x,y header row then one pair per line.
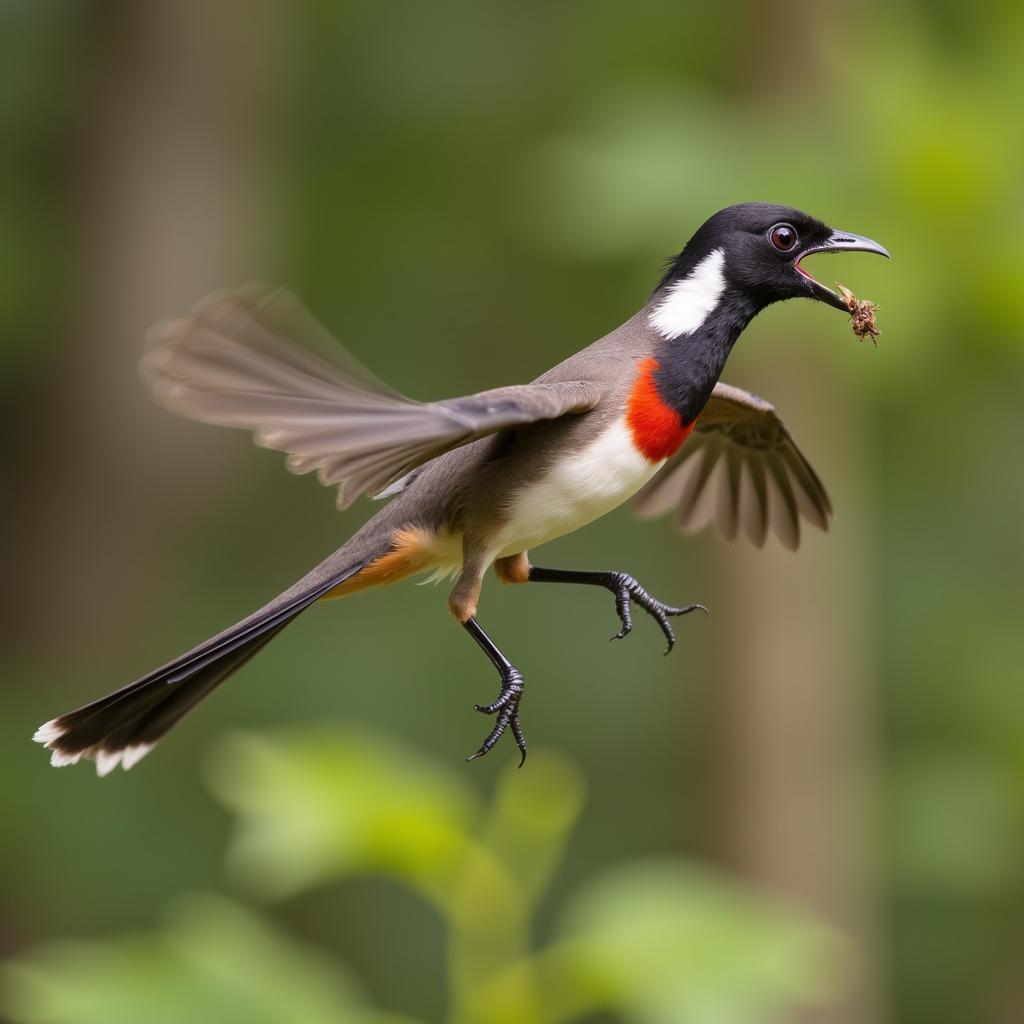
x,y
479,481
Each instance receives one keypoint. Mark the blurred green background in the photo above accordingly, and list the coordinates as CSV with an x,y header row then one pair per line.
x,y
812,812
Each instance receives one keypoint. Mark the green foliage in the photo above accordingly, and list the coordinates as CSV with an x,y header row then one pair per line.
x,y
213,962
677,944
661,942
465,193
337,803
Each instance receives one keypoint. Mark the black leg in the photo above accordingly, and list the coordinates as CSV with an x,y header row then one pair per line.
x,y
626,590
506,707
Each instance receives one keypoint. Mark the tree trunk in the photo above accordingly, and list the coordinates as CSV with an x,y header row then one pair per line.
x,y
170,180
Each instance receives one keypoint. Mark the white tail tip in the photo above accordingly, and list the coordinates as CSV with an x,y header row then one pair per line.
x,y
59,759
49,734
131,756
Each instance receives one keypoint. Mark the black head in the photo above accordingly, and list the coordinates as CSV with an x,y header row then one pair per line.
x,y
762,245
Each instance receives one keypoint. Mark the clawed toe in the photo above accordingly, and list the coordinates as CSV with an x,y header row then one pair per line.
x,y
506,707
490,709
627,590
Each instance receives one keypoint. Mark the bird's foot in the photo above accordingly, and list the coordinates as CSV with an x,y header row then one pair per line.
x,y
506,708
627,590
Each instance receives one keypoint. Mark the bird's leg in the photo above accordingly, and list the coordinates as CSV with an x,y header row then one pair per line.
x,y
506,707
463,602
626,590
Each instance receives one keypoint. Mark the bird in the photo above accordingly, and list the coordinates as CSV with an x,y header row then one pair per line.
x,y
479,481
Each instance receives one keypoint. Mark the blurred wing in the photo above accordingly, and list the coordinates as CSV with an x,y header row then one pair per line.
x,y
739,468
256,359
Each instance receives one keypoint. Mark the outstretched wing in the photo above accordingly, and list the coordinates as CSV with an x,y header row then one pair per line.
x,y
256,359
739,468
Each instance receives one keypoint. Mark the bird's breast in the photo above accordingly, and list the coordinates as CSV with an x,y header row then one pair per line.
x,y
577,487
655,426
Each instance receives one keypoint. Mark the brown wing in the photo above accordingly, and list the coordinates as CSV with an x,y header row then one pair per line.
x,y
256,359
739,468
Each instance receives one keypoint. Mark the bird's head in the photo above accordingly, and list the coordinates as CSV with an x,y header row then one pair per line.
x,y
755,250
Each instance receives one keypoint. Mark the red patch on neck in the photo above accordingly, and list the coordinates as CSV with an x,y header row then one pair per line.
x,y
656,427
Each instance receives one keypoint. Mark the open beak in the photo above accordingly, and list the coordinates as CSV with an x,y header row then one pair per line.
x,y
840,241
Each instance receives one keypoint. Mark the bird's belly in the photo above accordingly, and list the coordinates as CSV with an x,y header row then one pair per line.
x,y
578,488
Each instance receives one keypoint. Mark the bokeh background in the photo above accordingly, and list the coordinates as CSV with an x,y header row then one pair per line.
x,y
813,811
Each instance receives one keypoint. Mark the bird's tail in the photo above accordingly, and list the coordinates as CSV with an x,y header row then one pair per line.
x,y
123,727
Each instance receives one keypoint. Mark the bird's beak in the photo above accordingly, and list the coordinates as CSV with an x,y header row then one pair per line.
x,y
840,241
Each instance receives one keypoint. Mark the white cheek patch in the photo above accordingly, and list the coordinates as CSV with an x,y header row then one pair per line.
x,y
688,302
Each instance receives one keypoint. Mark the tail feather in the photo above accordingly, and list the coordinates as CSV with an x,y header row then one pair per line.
x,y
123,727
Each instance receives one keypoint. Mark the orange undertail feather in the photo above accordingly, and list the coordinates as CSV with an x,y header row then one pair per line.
x,y
656,427
410,553
513,568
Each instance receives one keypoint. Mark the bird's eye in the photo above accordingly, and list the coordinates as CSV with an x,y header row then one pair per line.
x,y
783,237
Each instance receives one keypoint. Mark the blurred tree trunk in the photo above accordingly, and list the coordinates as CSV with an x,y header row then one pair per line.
x,y
171,160
793,699
792,719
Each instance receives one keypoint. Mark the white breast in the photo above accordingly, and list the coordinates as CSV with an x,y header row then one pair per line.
x,y
578,488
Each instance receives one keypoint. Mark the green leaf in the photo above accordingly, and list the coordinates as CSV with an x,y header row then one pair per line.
x,y
668,943
325,804
213,963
